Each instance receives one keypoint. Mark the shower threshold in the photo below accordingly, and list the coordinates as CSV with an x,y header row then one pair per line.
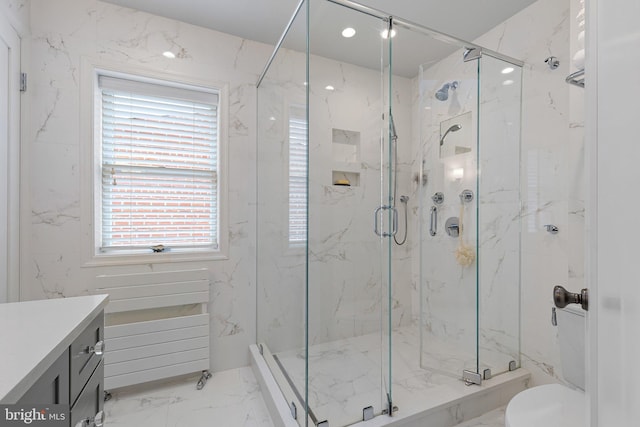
x,y
422,395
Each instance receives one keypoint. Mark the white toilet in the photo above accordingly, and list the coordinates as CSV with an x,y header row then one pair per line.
x,y
556,405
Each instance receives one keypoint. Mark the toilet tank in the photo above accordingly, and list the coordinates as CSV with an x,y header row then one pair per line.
x,y
571,332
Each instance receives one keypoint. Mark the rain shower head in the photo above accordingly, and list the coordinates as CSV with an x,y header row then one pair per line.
x,y
443,93
452,128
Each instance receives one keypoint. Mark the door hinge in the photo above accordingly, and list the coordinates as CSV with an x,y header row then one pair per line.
x,y
23,82
470,377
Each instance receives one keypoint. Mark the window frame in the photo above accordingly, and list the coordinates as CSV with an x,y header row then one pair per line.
x,y
91,168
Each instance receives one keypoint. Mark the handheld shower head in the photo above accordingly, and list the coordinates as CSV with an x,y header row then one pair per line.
x,y
394,135
453,128
443,93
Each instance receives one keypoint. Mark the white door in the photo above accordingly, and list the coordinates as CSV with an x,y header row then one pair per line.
x,y
613,141
9,160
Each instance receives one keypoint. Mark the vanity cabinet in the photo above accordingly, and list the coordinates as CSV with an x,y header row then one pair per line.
x,y
76,378
53,354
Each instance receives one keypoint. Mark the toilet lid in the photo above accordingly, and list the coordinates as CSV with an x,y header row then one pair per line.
x,y
552,405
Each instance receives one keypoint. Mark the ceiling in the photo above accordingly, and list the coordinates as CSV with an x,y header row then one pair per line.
x,y
265,20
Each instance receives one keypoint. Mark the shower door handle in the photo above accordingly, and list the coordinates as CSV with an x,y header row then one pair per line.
x,y
433,225
394,222
376,213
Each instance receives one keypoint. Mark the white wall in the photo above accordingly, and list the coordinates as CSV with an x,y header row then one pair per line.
x,y
14,20
612,153
17,12
64,34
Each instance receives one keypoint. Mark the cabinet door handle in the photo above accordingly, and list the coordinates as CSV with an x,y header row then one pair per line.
x,y
97,349
97,421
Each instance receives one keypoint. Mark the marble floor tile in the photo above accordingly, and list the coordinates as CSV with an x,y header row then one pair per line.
x,y
231,399
350,374
345,375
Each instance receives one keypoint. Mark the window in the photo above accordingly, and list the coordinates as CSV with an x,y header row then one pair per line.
x,y
297,176
159,188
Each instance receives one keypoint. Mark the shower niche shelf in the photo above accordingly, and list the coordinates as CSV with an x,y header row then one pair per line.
x,y
345,155
345,178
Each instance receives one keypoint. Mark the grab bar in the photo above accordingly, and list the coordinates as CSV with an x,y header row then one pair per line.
x,y
433,226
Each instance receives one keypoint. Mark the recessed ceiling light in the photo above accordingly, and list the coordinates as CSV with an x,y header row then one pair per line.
x,y
507,70
385,34
273,119
348,32
507,82
329,87
169,54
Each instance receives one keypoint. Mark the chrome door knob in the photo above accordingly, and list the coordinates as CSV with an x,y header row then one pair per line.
x,y
562,297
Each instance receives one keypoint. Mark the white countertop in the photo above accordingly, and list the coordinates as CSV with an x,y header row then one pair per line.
x,y
33,334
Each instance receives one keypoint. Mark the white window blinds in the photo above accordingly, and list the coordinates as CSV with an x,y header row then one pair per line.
x,y
159,165
297,175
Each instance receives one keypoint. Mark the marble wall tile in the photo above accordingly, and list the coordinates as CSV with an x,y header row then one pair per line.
x,y
64,34
17,12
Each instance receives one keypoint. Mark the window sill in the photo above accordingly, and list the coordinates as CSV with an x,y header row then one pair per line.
x,y
154,258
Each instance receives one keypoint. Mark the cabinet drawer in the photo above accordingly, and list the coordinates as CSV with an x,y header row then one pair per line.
x,y
91,400
53,386
83,357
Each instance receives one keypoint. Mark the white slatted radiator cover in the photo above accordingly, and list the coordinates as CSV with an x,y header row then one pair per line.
x,y
150,350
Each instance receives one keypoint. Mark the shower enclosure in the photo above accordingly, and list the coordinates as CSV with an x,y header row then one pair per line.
x,y
364,140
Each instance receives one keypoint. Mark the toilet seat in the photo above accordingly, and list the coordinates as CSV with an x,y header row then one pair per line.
x,y
551,405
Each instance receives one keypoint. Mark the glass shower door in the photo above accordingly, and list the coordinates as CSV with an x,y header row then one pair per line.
x,y
389,228
500,98
348,263
281,163
448,270
470,265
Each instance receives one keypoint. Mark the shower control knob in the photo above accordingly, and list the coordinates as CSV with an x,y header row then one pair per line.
x,y
562,297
